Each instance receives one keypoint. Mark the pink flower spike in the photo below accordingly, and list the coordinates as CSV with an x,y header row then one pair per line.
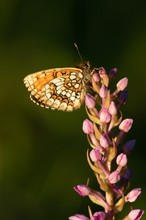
x,y
90,101
126,125
135,214
99,216
122,84
95,155
104,115
133,195
121,160
114,177
78,217
103,91
88,127
112,108
82,190
103,141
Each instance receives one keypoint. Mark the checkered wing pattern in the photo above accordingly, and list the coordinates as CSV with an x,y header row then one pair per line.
x,y
60,88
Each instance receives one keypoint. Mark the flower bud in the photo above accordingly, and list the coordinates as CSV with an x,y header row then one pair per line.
x,y
78,217
103,91
127,175
112,108
114,177
103,75
126,125
121,160
99,216
112,73
123,97
90,101
133,195
82,190
122,84
95,155
128,146
88,127
95,76
104,141
104,115
102,72
135,214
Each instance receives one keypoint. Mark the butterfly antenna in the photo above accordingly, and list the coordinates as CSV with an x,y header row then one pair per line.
x,y
76,46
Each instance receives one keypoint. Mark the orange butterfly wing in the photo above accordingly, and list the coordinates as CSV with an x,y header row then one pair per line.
x,y
59,88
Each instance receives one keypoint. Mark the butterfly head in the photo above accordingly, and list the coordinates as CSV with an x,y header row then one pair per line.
x,y
85,66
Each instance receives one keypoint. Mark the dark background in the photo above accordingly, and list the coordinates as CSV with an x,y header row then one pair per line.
x,y
43,152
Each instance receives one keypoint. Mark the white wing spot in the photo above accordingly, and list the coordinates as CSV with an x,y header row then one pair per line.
x,y
59,91
73,93
34,91
51,100
56,104
72,77
56,80
69,84
48,95
63,93
69,108
76,86
59,83
63,106
68,94
72,98
76,102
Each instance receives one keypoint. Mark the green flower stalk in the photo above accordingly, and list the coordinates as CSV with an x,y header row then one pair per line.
x,y
108,154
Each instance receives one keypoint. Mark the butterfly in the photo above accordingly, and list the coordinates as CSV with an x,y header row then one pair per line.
x,y
59,88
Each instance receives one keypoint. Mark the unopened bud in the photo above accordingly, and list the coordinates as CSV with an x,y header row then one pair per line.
x,y
95,76
104,141
112,108
121,160
82,190
103,75
114,177
88,127
99,216
102,72
123,97
103,91
78,217
104,115
126,125
122,84
135,214
127,175
90,101
128,146
95,155
133,195
112,73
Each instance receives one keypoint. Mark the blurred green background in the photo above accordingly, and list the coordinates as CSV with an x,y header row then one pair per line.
x,y
43,152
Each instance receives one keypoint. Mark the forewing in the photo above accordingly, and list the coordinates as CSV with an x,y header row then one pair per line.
x,y
60,88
